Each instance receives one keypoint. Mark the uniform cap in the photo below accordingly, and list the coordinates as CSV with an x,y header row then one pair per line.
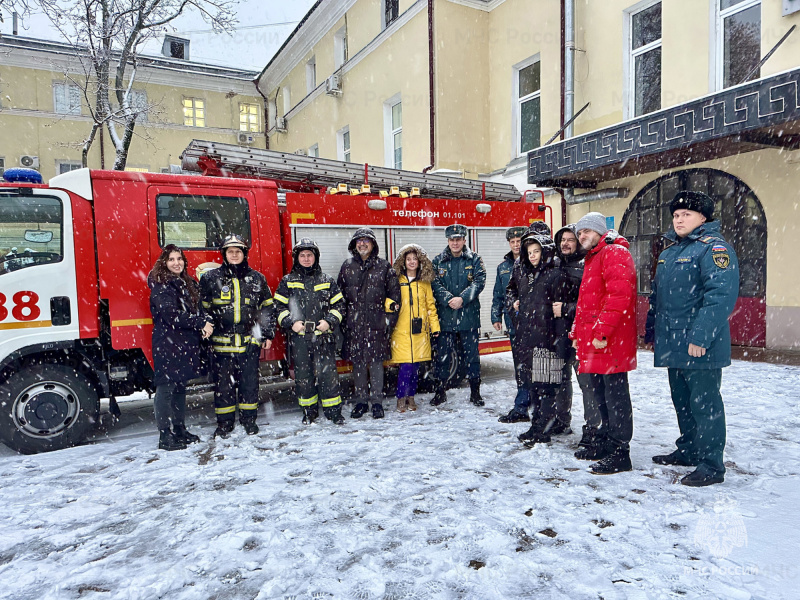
x,y
455,230
696,201
515,232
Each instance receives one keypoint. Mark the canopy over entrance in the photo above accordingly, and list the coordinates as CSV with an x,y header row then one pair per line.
x,y
764,113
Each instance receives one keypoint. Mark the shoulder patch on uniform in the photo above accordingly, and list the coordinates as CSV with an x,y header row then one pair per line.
x,y
721,259
707,239
719,248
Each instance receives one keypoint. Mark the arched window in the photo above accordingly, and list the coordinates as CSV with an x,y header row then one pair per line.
x,y
741,217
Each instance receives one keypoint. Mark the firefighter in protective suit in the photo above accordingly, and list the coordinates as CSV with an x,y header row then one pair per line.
x,y
240,302
310,307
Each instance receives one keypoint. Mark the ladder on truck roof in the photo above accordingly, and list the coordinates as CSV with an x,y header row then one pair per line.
x,y
298,172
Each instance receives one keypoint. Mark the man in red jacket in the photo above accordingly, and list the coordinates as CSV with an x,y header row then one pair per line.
x,y
604,333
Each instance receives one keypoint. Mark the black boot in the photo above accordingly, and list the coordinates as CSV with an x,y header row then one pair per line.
x,y
593,446
310,414
538,433
377,411
560,428
675,458
180,432
167,441
223,429
475,392
514,416
334,414
618,461
359,411
250,426
701,477
440,397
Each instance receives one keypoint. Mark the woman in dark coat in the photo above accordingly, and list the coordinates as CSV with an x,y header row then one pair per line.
x,y
179,324
540,345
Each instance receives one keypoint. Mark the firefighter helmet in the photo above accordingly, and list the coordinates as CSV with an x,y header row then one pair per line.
x,y
234,241
305,244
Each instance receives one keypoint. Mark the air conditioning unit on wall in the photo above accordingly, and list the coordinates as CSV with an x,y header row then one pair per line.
x,y
30,162
246,138
280,124
333,85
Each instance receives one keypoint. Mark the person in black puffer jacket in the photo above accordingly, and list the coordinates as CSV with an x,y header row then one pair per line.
x,y
310,308
536,282
372,296
571,255
240,301
179,323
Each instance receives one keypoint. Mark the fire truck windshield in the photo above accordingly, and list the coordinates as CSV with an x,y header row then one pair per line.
x,y
30,231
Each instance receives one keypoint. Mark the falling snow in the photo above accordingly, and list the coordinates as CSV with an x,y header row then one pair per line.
x,y
433,504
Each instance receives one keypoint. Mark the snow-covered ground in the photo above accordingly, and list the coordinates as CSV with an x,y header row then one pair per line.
x,y
434,504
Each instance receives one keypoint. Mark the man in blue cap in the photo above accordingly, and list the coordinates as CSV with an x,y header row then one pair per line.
x,y
460,278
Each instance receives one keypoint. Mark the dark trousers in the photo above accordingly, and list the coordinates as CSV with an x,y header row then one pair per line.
x,y
407,379
543,401
236,376
594,415
614,398
449,355
701,415
169,405
315,375
368,381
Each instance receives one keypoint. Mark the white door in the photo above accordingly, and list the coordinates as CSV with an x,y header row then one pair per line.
x,y
37,270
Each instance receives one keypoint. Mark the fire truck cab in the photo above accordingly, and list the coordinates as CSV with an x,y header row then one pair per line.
x,y
75,322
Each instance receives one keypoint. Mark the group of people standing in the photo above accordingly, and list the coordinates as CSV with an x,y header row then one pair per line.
x,y
568,302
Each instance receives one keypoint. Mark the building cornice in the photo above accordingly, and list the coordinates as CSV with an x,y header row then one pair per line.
x,y
484,5
170,76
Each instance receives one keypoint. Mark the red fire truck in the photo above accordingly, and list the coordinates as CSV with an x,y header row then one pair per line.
x,y
75,324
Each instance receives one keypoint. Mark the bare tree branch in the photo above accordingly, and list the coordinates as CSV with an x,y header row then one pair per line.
x,y
106,36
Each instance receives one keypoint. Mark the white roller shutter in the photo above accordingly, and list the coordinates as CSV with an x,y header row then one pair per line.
x,y
333,241
492,245
432,240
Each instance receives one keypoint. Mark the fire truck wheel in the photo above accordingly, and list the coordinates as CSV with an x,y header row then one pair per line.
x,y
46,407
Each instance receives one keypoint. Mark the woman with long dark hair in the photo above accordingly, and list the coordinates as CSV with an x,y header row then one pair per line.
x,y
179,324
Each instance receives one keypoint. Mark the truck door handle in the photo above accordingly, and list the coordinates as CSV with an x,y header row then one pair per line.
x,y
60,310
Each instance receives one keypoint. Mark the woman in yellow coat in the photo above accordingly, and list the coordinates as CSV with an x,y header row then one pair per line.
x,y
417,321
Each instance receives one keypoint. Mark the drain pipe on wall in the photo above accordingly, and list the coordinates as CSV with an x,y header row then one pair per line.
x,y
266,113
567,83
431,88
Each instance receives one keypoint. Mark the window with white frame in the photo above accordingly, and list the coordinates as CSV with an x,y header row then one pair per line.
x,y
343,144
138,103
194,112
738,40
66,98
527,106
272,112
340,47
314,151
393,132
287,99
645,60
248,117
391,10
311,74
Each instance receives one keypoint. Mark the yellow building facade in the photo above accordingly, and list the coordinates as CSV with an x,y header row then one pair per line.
x,y
479,86
44,116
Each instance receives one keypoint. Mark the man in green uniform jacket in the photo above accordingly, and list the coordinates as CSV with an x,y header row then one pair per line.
x,y
694,292
459,279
